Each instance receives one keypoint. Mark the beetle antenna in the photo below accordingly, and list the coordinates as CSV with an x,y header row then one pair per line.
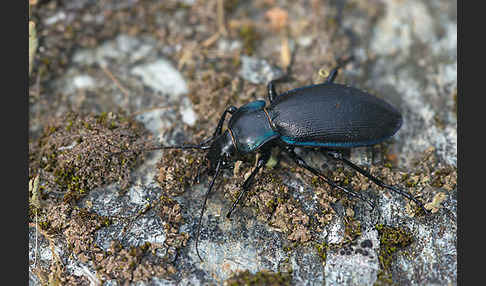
x,y
201,146
218,169
182,147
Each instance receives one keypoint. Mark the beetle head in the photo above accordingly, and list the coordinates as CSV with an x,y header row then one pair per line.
x,y
222,148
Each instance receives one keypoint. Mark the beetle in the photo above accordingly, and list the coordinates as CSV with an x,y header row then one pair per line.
x,y
328,116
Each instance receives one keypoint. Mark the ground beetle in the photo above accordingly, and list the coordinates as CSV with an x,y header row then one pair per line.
x,y
329,116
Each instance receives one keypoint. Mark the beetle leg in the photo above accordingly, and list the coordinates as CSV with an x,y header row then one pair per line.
x,y
300,161
218,169
338,156
334,72
332,75
272,93
246,185
197,177
230,110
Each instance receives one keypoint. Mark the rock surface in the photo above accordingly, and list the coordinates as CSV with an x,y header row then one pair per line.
x,y
159,64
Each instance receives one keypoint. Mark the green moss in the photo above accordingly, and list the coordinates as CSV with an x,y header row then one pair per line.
x,y
331,22
67,179
45,225
106,222
438,177
69,125
322,250
411,183
236,62
315,181
90,162
230,5
112,125
418,211
271,204
166,200
51,130
352,229
290,247
145,246
102,117
182,174
250,37
272,162
259,278
391,240
439,122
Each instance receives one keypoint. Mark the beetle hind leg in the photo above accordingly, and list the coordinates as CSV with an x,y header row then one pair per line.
x,y
300,161
339,157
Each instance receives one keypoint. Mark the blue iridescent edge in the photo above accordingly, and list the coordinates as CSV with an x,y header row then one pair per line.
x,y
292,141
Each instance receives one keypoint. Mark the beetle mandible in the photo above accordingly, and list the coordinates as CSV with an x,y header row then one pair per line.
x,y
329,116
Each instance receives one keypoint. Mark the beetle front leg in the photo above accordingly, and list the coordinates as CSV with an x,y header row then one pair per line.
x,y
203,145
300,161
230,110
246,185
272,94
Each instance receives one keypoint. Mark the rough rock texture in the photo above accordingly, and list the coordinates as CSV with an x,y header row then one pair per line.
x,y
164,64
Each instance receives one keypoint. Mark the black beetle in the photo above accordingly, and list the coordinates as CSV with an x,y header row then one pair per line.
x,y
328,115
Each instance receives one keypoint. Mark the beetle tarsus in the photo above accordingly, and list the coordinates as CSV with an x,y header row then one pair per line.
x,y
218,168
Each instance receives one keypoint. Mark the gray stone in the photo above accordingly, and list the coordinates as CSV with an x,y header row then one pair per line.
x,y
352,266
424,80
258,71
162,77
